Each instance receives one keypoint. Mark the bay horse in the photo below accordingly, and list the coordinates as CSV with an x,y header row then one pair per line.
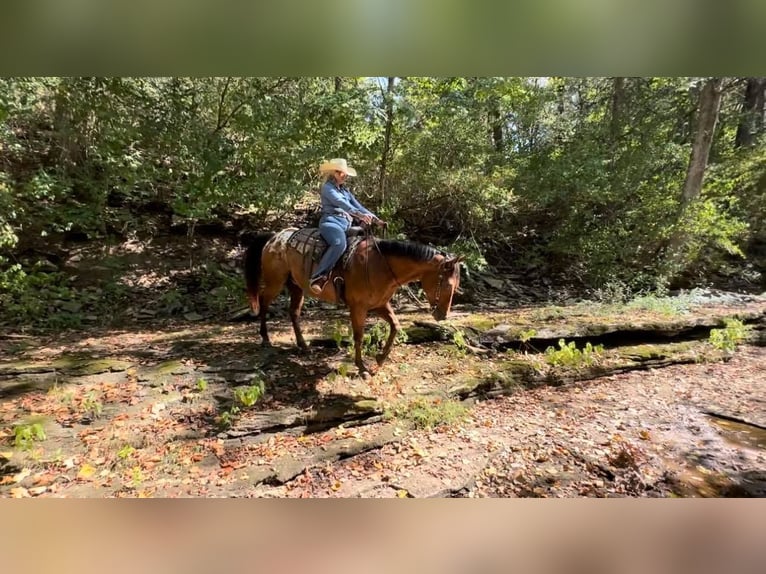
x,y
374,270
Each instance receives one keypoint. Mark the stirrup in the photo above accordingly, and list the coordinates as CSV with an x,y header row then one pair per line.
x,y
318,284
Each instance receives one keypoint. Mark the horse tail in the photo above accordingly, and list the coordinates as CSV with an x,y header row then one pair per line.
x,y
253,257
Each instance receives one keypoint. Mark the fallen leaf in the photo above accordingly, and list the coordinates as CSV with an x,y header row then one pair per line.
x,y
86,471
19,476
402,493
20,492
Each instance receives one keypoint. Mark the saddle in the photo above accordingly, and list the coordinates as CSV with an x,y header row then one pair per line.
x,y
309,242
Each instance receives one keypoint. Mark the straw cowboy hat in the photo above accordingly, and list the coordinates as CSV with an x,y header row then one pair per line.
x,y
337,164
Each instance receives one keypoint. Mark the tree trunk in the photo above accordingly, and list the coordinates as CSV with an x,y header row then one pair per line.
x,y
751,121
388,98
338,84
496,125
618,103
707,117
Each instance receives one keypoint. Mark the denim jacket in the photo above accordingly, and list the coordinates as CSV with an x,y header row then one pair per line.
x,y
339,205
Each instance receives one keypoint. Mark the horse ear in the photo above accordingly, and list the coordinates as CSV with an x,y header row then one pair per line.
x,y
453,261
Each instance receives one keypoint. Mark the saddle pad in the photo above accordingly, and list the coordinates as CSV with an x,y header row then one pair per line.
x,y
309,242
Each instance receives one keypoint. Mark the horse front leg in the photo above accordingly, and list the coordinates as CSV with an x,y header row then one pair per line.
x,y
296,304
358,317
387,313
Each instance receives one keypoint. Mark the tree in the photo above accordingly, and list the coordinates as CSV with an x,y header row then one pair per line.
x,y
752,116
707,115
388,104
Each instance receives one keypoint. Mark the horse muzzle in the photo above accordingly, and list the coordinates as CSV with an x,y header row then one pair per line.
x,y
438,314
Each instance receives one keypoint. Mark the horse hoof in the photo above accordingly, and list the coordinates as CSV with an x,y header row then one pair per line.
x,y
266,344
368,371
379,358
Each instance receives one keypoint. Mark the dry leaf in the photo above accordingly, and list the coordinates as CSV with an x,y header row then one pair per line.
x,y
19,476
20,492
86,472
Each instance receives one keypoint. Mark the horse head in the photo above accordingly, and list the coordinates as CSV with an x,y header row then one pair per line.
x,y
440,283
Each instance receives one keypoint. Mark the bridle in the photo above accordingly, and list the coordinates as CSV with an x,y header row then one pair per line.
x,y
439,283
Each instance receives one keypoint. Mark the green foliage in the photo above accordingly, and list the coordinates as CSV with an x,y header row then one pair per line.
x,y
429,413
248,395
92,405
25,435
568,355
125,452
676,305
375,337
458,339
575,177
474,259
226,419
201,385
525,336
728,338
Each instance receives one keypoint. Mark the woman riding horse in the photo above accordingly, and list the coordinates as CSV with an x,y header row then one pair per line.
x,y
339,209
372,274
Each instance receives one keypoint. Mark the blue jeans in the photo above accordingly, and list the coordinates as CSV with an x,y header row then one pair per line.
x,y
334,233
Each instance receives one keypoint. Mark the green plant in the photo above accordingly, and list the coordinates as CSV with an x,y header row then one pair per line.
x,y
226,419
125,452
525,336
343,369
429,413
247,396
136,477
458,339
376,336
568,355
25,435
92,405
727,338
665,305
340,333
201,385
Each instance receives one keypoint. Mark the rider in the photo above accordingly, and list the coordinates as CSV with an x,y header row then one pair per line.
x,y
339,209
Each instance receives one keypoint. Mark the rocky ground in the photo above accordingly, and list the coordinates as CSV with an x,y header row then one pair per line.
x,y
200,409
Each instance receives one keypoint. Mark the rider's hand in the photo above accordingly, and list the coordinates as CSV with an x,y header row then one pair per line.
x,y
366,219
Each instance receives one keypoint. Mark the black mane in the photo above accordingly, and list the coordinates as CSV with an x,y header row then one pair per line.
x,y
407,249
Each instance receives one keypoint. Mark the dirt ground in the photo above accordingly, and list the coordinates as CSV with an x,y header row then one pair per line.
x,y
150,412
639,434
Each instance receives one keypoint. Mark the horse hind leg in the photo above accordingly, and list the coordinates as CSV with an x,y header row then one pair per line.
x,y
296,304
266,297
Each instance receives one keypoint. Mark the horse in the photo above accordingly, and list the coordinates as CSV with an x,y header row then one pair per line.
x,y
372,270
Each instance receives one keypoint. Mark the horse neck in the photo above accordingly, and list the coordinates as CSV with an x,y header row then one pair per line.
x,y
406,269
